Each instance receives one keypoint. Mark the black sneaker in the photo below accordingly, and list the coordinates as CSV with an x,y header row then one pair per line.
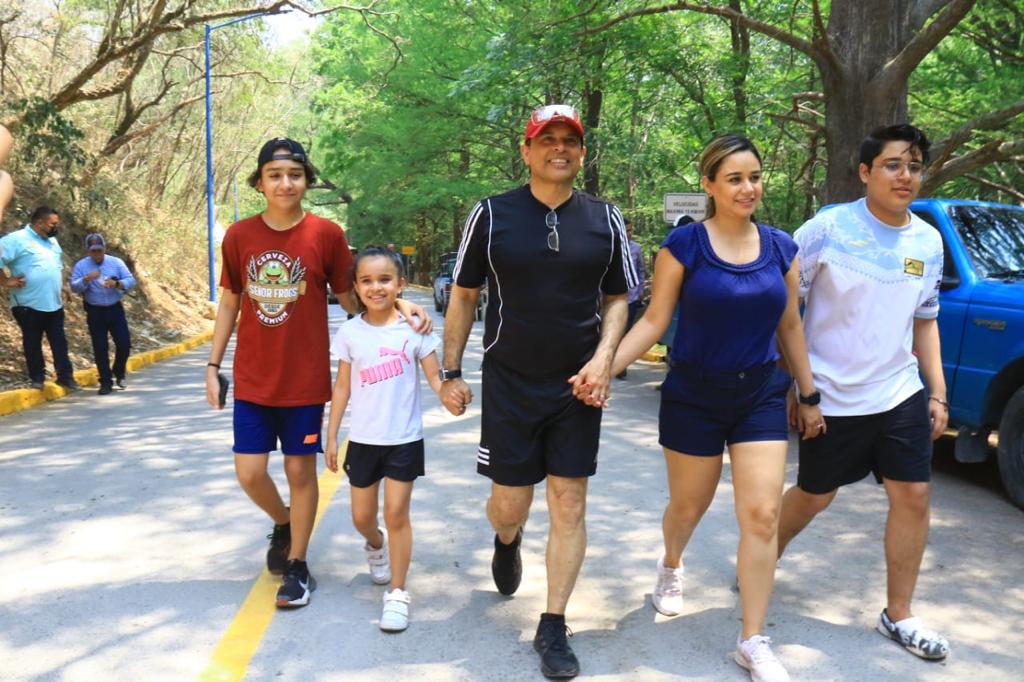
x,y
507,565
119,383
105,390
280,544
298,584
557,661
69,383
37,385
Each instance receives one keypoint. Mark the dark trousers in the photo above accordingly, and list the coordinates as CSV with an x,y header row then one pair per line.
x,y
35,323
104,321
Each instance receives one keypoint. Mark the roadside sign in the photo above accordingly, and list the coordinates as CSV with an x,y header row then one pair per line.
x,y
693,204
408,250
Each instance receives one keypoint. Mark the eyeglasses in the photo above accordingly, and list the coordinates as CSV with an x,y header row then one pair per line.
x,y
896,168
551,220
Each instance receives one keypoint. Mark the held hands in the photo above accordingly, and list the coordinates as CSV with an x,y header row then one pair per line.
x,y
592,384
90,276
15,282
110,284
455,395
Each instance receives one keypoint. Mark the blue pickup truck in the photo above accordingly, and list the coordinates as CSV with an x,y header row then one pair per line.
x,y
981,326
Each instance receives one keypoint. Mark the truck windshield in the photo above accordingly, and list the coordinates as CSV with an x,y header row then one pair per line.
x,y
994,238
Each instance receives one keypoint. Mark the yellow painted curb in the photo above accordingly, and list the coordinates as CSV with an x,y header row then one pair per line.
x,y
651,356
23,398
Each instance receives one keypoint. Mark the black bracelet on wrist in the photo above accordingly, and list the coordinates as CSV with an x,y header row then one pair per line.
x,y
213,364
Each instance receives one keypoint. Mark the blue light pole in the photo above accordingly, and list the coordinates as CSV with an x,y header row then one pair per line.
x,y
209,151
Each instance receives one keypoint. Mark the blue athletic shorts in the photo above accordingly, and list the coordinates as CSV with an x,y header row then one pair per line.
x,y
702,411
258,428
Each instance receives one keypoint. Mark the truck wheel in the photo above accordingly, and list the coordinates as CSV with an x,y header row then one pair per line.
x,y
1011,448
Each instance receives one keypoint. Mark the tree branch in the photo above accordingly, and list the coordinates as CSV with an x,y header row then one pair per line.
x,y
985,182
899,68
994,120
995,150
796,42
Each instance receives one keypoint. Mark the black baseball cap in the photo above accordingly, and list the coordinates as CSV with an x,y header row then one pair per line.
x,y
273,150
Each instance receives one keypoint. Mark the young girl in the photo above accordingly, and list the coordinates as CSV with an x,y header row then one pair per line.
x,y
735,283
377,354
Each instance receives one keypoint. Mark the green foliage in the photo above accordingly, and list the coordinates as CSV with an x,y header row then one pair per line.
x,y
49,134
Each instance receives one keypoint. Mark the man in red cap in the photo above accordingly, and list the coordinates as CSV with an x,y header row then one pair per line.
x,y
558,269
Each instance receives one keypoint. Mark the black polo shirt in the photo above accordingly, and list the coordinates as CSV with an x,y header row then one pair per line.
x,y
543,311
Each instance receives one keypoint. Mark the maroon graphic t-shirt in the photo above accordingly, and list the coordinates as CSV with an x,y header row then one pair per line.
x,y
281,358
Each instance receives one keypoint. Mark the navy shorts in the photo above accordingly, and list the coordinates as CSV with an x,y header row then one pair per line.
x,y
367,464
534,426
896,444
259,427
702,411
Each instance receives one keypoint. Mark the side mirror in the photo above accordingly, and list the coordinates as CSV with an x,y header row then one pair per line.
x,y
949,282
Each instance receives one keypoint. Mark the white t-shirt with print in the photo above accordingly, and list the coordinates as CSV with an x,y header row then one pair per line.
x,y
385,398
863,282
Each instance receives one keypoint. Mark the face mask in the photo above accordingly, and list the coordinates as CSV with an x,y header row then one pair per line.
x,y
52,232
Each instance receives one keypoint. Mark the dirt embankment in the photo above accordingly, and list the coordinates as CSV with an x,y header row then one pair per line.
x,y
158,314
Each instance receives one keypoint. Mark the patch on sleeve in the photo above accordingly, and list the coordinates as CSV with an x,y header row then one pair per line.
x,y
310,438
913,267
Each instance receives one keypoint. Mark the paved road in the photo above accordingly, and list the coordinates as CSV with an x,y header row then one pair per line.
x,y
128,550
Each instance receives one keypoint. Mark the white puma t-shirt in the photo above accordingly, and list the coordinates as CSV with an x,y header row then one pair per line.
x,y
385,399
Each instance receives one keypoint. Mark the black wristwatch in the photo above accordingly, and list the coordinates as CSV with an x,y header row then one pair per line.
x,y
812,399
447,374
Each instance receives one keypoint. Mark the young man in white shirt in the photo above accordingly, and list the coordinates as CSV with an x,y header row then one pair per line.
x,y
869,276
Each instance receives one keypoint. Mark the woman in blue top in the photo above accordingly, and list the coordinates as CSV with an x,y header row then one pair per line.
x,y
736,286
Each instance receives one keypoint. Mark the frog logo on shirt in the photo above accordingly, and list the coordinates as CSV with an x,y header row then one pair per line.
x,y
274,284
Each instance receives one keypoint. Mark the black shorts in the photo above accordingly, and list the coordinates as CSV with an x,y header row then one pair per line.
x,y
896,444
531,427
367,464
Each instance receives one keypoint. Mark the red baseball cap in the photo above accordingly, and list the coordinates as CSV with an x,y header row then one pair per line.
x,y
544,116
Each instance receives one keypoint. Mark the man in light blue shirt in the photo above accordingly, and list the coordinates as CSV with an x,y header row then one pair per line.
x,y
35,261
102,280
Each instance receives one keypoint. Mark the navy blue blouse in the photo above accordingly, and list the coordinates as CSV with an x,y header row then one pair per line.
x,y
728,313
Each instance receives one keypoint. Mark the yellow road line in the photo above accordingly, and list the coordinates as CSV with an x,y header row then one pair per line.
x,y
230,659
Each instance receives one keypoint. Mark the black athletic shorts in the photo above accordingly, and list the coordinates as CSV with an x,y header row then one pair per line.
x,y
896,444
367,464
532,427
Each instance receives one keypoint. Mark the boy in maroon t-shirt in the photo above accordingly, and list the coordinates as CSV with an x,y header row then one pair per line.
x,y
276,267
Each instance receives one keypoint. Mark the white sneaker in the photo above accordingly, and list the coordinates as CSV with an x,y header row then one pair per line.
x,y
377,559
755,654
668,591
395,616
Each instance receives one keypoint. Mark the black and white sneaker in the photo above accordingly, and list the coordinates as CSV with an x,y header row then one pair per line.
x,y
911,634
280,544
557,660
507,565
298,584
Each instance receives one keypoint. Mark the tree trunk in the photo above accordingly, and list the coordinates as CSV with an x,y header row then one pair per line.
x,y
591,172
864,35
